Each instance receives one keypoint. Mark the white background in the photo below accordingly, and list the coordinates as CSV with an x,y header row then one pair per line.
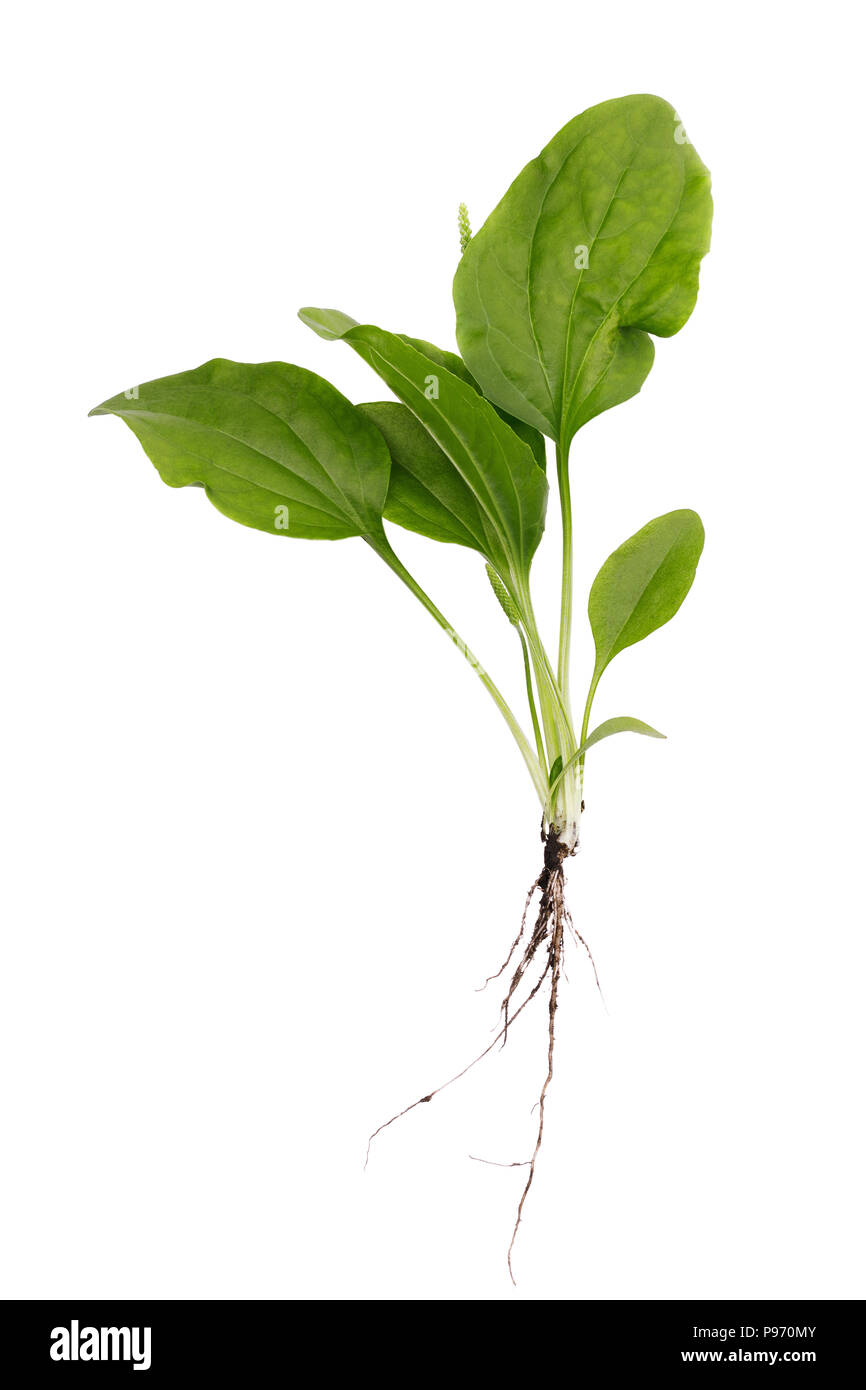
x,y
265,833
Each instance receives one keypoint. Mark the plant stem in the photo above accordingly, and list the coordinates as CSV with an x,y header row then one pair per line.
x,y
539,742
584,728
382,547
567,578
563,809
558,717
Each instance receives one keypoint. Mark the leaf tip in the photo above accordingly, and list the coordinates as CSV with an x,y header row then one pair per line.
x,y
328,323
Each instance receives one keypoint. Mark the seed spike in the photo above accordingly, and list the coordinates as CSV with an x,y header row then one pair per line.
x,y
503,595
465,229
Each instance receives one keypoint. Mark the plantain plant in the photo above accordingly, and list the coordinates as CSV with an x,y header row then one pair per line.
x,y
595,246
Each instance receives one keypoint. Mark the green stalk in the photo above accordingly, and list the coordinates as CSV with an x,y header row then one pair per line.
x,y
539,742
382,547
567,577
562,809
549,693
584,728
587,708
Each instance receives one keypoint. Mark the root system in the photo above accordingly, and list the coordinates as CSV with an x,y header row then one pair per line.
x,y
544,946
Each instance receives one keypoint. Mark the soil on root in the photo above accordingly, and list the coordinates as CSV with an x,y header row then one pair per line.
x,y
545,943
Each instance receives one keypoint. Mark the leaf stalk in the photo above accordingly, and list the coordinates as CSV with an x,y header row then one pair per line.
x,y
381,545
565,611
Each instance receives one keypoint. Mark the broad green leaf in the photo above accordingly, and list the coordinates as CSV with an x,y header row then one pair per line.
x,y
642,584
275,447
426,493
333,324
596,244
507,488
455,364
555,771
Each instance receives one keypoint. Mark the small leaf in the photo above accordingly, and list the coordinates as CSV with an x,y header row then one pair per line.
x,y
642,584
555,771
621,724
596,244
275,447
507,489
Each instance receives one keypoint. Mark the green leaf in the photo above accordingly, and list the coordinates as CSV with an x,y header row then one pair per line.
x,y
504,489
555,771
275,447
620,724
596,244
642,584
457,366
426,493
